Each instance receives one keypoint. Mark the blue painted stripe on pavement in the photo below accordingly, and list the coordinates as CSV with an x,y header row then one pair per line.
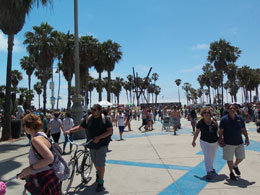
x,y
196,175
125,135
149,165
193,181
254,146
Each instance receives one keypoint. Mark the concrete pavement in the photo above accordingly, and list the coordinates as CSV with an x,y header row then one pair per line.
x,y
155,162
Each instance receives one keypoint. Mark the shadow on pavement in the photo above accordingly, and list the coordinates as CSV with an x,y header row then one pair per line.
x,y
7,167
11,147
84,188
242,183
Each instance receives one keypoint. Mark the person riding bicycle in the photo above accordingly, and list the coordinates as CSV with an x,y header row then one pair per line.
x,y
99,128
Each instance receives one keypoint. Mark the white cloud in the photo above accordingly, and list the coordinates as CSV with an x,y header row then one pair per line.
x,y
18,47
200,46
192,69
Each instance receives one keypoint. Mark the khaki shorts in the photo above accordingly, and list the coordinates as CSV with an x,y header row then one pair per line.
x,y
230,150
98,156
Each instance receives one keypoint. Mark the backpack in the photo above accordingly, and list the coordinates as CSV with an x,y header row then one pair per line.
x,y
59,165
102,116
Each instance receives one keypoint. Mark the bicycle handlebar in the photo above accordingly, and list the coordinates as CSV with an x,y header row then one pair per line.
x,y
83,144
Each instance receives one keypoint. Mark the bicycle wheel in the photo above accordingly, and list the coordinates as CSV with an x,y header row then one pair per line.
x,y
66,184
86,167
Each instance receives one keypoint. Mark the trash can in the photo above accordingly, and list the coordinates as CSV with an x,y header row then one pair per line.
x,y
16,128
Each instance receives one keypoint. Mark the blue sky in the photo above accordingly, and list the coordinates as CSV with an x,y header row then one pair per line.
x,y
170,36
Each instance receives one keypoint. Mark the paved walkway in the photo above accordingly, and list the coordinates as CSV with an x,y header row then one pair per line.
x,y
151,163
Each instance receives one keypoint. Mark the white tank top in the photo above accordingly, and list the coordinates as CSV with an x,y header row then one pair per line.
x,y
121,119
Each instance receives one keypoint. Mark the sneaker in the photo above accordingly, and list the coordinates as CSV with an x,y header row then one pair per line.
x,y
100,188
208,177
236,170
175,133
213,171
232,177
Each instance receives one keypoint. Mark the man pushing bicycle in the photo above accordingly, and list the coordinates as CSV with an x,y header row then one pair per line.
x,y
98,128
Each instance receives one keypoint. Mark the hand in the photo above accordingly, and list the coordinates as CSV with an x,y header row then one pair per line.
x,y
66,132
96,140
247,142
193,144
25,172
221,143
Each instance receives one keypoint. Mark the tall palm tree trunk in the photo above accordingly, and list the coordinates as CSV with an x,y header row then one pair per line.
x,y
39,101
257,94
90,99
109,88
58,99
222,91
44,96
6,133
99,87
69,94
209,95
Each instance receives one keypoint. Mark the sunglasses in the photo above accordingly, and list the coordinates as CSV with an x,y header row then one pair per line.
x,y
206,112
93,109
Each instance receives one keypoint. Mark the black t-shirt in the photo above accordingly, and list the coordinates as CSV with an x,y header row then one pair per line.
x,y
208,132
95,127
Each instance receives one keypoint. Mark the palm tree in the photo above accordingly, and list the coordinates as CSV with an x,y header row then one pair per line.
x,y
155,77
90,88
157,91
12,19
186,87
27,63
28,95
178,82
41,44
127,88
222,53
112,56
38,88
67,65
99,65
215,80
88,51
117,87
243,74
130,82
16,77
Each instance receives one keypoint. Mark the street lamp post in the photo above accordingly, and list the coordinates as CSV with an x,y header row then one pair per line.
x,y
77,109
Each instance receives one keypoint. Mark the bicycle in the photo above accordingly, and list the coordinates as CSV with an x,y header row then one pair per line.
x,y
84,169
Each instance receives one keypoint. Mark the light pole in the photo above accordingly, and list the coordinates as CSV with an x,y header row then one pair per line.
x,y
77,109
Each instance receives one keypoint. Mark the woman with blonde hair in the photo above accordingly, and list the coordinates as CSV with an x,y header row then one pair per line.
x,y
41,179
208,128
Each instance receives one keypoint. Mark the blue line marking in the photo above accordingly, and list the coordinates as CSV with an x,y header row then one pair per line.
x,y
193,182
150,165
189,183
125,135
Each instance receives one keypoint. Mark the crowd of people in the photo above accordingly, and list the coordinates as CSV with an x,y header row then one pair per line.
x,y
216,128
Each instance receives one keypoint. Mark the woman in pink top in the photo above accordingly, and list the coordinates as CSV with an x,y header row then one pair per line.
x,y
41,179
